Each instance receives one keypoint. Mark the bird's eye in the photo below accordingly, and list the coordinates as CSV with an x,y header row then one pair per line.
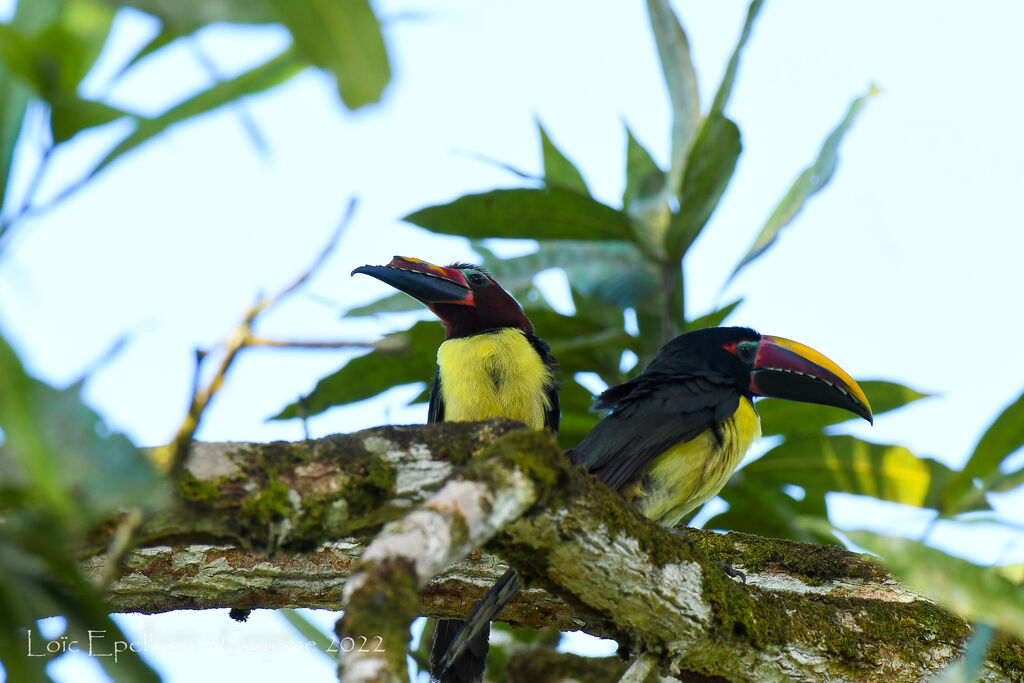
x,y
477,279
746,351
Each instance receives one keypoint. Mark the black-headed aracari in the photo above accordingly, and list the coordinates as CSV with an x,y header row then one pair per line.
x,y
676,432
490,365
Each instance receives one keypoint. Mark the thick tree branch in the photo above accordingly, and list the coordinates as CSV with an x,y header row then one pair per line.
x,y
291,519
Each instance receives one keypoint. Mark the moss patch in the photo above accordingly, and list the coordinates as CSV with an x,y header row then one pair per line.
x,y
1009,656
879,630
813,564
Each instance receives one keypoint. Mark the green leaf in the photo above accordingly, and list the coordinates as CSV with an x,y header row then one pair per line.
x,y
541,214
791,418
1000,440
54,451
342,36
398,302
810,181
613,272
714,319
725,87
310,632
34,16
681,80
14,99
558,170
263,77
187,15
368,375
979,594
644,179
969,667
846,464
709,169
56,59
70,114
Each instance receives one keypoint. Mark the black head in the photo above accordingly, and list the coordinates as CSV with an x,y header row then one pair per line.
x,y
464,296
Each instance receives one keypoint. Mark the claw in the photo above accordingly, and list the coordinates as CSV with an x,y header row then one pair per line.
x,y
732,572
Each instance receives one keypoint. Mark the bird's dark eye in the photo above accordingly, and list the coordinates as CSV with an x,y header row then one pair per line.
x,y
477,279
746,351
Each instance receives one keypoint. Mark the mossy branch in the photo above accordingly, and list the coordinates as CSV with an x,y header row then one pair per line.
x,y
284,524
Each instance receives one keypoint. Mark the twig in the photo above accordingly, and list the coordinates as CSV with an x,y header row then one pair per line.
x,y
639,669
387,344
259,141
119,547
170,457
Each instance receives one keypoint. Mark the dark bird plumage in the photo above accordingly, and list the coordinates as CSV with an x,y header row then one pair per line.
x,y
677,431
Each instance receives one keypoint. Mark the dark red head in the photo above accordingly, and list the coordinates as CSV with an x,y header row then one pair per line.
x,y
465,297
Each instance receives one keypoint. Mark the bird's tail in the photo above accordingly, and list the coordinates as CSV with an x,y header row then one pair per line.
x,y
459,652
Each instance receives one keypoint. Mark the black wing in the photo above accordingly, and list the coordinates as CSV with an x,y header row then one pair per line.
x,y
649,415
462,661
553,414
435,410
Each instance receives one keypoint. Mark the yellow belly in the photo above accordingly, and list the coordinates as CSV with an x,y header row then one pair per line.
x,y
496,374
691,473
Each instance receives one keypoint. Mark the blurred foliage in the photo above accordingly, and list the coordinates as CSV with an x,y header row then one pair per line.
x,y
50,46
56,460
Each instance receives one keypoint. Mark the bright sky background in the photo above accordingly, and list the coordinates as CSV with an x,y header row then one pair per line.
x,y
907,267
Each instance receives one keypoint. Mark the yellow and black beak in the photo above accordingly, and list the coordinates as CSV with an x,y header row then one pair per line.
x,y
423,281
787,369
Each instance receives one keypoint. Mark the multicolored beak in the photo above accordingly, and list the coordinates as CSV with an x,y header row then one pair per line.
x,y
423,281
789,370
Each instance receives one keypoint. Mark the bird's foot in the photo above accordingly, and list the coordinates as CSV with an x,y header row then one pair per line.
x,y
683,535
732,572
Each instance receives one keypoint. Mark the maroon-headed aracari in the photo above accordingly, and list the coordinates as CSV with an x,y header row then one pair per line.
x,y
676,432
490,365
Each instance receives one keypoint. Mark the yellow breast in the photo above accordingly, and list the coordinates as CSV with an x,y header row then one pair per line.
x,y
496,374
691,473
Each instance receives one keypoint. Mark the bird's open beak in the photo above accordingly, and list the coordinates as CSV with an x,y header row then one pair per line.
x,y
423,281
789,370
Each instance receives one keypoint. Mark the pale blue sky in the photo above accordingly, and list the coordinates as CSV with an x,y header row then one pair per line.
x,y
907,267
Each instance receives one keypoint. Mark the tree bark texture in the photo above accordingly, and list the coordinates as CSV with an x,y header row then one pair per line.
x,y
288,524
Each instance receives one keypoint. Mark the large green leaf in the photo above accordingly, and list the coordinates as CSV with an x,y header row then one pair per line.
x,y
1000,440
810,181
263,77
57,58
725,87
680,79
14,99
613,272
792,417
53,449
558,170
188,15
375,372
764,508
820,464
549,213
709,168
342,36
644,179
714,319
979,594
